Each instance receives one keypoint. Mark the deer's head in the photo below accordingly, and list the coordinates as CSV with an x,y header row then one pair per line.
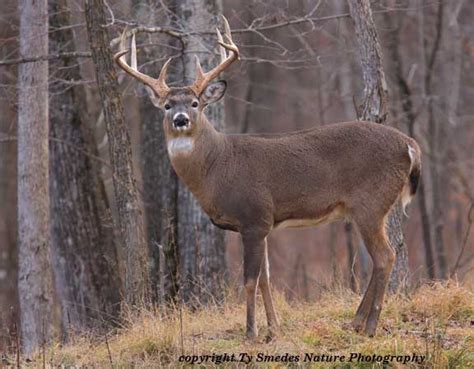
x,y
183,106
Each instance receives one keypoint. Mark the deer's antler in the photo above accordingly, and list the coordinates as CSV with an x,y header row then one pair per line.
x,y
203,79
158,85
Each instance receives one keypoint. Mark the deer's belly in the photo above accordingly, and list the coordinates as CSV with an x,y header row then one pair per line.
x,y
336,214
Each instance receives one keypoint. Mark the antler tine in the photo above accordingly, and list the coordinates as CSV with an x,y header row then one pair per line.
x,y
203,79
133,55
227,32
161,87
222,51
158,85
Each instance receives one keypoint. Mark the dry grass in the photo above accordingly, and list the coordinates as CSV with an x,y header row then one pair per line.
x,y
436,321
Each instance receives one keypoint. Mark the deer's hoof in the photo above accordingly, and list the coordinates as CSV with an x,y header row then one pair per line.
x,y
358,325
370,329
271,335
252,335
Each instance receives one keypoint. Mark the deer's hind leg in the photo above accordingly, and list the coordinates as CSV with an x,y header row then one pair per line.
x,y
383,257
360,318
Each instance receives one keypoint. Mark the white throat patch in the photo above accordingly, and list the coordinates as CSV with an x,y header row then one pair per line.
x,y
180,145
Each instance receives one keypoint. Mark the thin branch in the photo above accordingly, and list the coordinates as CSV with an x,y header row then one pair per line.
x,y
181,35
75,54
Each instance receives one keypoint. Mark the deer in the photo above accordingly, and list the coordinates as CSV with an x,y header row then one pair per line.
x,y
353,171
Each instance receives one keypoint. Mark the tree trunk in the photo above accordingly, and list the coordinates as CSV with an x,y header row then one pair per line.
x,y
130,220
160,200
203,267
160,183
35,279
8,242
8,185
435,137
84,255
409,117
374,108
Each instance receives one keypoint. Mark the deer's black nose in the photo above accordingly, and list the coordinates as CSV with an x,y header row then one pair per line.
x,y
181,120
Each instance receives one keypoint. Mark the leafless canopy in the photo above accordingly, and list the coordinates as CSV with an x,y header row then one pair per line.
x,y
229,53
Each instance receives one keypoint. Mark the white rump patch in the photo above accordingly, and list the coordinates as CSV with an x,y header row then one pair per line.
x,y
180,145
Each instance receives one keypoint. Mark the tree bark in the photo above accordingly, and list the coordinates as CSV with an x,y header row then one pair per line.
x,y
35,279
410,119
160,200
375,108
8,239
435,138
84,256
159,180
8,198
130,220
203,267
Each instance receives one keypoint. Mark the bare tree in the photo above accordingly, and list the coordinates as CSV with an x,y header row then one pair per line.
x,y
8,184
84,255
409,117
374,108
130,220
435,140
35,279
160,184
201,245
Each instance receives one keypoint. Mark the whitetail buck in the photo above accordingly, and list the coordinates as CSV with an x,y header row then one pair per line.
x,y
251,184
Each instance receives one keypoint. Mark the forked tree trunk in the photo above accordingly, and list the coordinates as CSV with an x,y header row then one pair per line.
x,y
374,108
35,279
203,267
84,255
130,220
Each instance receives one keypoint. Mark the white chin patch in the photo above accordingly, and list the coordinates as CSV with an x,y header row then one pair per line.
x,y
180,146
183,128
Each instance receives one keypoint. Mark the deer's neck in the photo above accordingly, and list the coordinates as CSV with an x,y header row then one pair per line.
x,y
193,157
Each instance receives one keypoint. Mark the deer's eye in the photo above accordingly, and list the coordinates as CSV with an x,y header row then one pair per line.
x,y
194,104
167,106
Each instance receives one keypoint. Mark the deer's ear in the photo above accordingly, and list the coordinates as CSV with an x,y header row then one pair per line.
x,y
154,99
213,92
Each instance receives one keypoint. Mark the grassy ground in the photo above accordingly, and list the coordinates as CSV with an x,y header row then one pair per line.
x,y
436,321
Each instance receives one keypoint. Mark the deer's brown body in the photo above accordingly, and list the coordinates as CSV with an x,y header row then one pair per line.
x,y
273,181
252,184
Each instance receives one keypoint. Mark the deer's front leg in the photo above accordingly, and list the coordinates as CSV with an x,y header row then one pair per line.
x,y
264,284
254,249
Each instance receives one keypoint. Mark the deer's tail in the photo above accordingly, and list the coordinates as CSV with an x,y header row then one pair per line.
x,y
410,188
